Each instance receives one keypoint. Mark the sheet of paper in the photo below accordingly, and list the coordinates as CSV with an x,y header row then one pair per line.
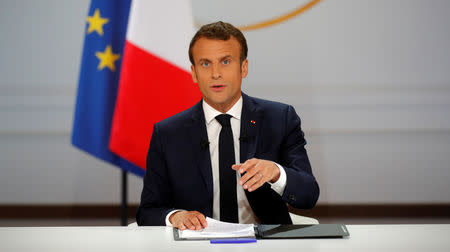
x,y
219,229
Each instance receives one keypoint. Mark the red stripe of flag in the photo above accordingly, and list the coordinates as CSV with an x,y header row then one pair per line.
x,y
150,90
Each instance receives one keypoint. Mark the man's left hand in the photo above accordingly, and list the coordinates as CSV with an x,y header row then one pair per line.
x,y
258,172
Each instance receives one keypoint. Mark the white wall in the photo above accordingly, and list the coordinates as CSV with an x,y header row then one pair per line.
x,y
370,80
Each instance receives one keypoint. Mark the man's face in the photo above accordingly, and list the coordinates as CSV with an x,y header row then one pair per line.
x,y
218,71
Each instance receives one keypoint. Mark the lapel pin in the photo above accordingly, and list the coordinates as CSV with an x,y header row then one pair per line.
x,y
253,122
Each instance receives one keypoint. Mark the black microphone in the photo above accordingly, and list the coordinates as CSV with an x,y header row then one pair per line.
x,y
243,137
204,143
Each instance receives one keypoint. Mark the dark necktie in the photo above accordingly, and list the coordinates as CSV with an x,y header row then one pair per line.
x,y
227,176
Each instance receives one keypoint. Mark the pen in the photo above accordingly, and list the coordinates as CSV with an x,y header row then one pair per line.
x,y
234,240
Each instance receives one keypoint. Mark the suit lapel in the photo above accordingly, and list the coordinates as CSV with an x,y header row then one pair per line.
x,y
251,120
200,146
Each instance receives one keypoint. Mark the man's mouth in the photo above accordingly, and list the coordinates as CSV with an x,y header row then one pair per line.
x,y
217,87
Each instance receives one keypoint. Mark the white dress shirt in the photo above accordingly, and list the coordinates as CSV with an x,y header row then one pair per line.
x,y
213,129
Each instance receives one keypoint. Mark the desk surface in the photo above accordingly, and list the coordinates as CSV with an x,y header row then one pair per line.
x,y
362,238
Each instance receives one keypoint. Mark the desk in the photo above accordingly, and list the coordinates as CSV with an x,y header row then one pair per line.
x,y
148,239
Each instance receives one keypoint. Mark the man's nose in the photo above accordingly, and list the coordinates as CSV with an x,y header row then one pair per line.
x,y
216,72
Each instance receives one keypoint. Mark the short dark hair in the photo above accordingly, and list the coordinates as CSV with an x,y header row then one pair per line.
x,y
221,31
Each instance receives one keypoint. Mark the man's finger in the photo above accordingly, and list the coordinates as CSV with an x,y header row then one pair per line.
x,y
187,222
247,176
247,165
255,179
196,222
202,220
256,185
236,166
181,226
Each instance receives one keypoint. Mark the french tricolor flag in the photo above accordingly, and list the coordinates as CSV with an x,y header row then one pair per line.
x,y
154,81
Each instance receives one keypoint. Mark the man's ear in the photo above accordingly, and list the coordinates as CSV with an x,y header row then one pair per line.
x,y
244,68
194,75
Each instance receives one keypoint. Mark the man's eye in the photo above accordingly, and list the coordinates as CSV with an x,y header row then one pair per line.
x,y
205,64
226,62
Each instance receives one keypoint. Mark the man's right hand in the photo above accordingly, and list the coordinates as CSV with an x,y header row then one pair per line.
x,y
192,220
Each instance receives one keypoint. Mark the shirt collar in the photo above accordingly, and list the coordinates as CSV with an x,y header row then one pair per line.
x,y
211,113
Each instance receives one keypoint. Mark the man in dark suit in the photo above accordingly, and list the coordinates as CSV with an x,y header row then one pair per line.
x,y
231,156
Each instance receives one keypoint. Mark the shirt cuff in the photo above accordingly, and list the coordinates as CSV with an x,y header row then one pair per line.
x,y
168,216
280,185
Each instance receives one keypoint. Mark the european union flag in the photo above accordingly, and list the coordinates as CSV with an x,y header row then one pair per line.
x,y
99,79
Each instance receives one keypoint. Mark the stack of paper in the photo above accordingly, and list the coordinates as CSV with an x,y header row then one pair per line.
x,y
219,229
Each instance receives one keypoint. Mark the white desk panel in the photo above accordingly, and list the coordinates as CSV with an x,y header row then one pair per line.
x,y
362,238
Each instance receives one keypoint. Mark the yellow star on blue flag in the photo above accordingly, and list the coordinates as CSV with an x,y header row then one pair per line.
x,y
96,23
107,59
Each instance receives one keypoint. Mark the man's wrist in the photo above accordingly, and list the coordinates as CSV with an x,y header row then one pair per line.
x,y
277,175
169,217
279,185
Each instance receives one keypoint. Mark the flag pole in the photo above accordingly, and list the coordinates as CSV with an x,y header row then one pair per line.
x,y
124,203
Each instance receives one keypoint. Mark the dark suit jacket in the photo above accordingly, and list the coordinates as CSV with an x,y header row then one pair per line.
x,y
179,174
